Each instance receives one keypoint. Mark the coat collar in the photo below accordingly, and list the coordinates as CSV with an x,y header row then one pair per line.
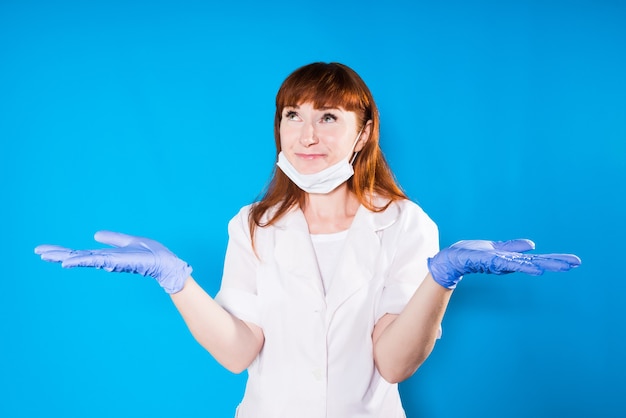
x,y
358,260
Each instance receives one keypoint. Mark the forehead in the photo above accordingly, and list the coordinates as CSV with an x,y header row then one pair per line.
x,y
320,96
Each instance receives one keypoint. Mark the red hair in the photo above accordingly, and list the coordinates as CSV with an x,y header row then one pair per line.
x,y
329,85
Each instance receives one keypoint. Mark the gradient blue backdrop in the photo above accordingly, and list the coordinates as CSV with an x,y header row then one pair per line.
x,y
502,119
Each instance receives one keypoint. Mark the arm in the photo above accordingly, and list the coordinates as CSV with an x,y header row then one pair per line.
x,y
232,342
402,342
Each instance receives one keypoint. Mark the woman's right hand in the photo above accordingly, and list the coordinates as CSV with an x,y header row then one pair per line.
x,y
129,254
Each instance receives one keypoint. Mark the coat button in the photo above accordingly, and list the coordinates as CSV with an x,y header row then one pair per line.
x,y
318,374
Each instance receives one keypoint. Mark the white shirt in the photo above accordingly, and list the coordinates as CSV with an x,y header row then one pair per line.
x,y
327,251
317,359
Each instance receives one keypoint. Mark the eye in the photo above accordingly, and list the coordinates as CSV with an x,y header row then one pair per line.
x,y
291,115
328,118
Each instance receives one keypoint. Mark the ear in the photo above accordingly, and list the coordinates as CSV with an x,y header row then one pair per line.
x,y
365,135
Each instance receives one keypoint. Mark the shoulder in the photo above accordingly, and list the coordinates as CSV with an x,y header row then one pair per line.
x,y
238,226
409,208
242,221
404,210
414,233
412,217
241,216
398,218
246,211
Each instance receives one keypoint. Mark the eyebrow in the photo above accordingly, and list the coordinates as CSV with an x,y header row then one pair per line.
x,y
318,108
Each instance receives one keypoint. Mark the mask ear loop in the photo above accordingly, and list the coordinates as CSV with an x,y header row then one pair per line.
x,y
354,145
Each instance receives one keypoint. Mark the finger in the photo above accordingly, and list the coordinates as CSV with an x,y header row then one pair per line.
x,y
516,262
515,245
535,264
56,256
61,254
115,239
40,249
572,259
93,259
108,261
556,262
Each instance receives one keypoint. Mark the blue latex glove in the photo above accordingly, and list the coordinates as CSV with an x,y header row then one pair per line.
x,y
476,256
130,254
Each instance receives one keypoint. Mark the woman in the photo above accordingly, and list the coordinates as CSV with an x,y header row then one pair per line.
x,y
334,287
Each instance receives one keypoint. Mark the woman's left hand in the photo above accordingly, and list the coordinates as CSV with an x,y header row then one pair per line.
x,y
449,265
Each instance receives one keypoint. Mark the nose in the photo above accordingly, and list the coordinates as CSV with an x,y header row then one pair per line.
x,y
308,135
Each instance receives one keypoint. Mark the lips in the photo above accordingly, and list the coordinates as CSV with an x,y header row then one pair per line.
x,y
306,156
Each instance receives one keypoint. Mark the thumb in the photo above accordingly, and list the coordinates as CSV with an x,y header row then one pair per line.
x,y
115,239
515,245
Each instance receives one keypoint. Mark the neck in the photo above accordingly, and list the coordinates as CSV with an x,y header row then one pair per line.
x,y
331,212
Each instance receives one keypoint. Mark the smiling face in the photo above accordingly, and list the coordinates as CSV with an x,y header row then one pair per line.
x,y
314,139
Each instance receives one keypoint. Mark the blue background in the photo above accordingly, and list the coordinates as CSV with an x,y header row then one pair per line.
x,y
502,119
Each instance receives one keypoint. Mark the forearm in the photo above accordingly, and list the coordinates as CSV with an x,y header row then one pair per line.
x,y
404,343
231,341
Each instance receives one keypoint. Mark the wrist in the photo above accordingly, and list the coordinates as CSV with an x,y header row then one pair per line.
x,y
174,280
442,272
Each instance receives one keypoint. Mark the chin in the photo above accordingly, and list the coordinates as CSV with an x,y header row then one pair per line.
x,y
310,168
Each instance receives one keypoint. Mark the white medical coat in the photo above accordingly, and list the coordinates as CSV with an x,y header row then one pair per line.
x,y
317,360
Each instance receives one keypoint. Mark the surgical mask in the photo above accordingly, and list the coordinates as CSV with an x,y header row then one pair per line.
x,y
324,181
